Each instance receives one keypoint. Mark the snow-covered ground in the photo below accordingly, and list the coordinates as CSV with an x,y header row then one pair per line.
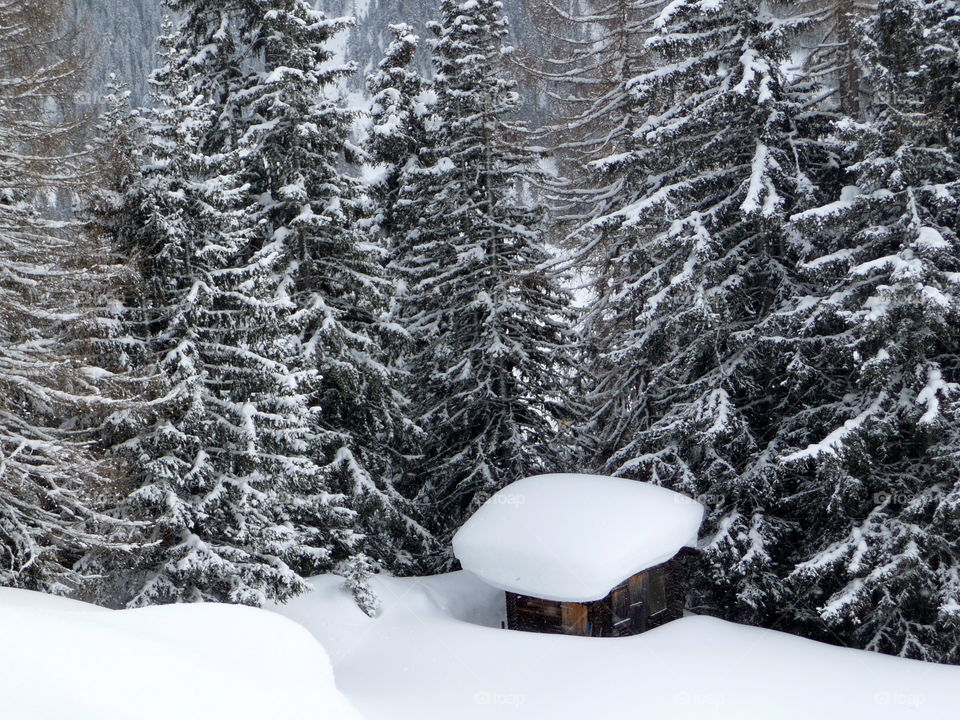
x,y
436,653
65,660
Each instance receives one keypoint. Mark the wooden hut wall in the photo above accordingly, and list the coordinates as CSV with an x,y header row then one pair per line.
x,y
549,616
626,610
653,604
674,596
533,614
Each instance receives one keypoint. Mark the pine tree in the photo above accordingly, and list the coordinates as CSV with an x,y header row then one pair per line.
x,y
489,326
117,156
878,351
597,51
236,507
54,278
398,130
118,146
689,264
400,116
373,33
270,455
307,213
356,574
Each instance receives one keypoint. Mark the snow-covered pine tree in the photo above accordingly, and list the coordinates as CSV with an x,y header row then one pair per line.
x,y
398,130
366,42
688,265
117,156
113,205
373,33
52,278
877,346
305,213
236,507
118,153
356,574
112,336
398,133
490,328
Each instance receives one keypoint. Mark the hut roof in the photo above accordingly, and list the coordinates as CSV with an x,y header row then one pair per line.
x,y
573,538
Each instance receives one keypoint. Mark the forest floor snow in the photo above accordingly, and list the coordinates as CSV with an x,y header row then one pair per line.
x,y
66,660
436,652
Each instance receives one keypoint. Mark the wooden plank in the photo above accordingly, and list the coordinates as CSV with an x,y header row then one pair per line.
x,y
620,616
656,590
536,606
533,614
574,618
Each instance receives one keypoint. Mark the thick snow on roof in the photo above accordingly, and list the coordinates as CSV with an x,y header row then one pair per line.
x,y
436,652
66,660
574,537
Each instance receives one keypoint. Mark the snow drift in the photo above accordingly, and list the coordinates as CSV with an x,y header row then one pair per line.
x,y
436,653
66,660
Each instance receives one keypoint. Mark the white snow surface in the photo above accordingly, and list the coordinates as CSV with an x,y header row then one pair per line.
x,y
66,660
574,537
436,652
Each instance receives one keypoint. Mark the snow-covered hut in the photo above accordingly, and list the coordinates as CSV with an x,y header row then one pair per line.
x,y
583,554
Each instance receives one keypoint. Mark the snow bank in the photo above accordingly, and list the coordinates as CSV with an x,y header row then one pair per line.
x,y
424,658
574,537
65,660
